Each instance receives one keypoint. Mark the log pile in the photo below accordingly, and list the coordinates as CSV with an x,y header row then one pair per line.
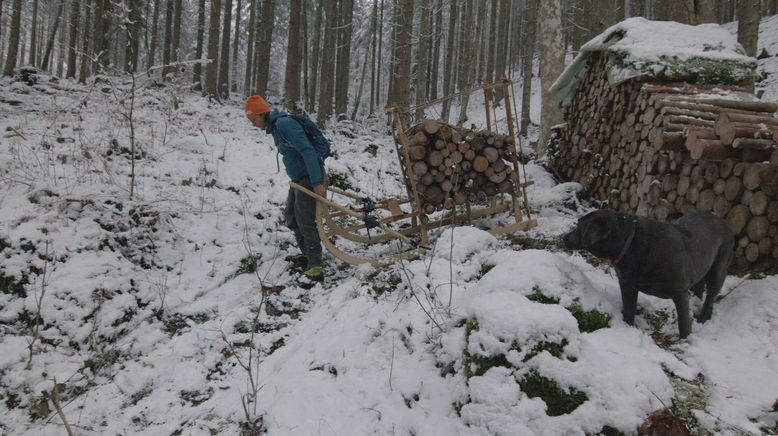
x,y
452,166
662,150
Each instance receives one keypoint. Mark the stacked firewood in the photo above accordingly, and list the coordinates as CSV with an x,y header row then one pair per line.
x,y
662,150
451,166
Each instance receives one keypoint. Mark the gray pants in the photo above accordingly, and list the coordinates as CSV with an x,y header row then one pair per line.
x,y
300,216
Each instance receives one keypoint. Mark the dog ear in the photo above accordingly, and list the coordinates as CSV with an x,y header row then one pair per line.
x,y
593,233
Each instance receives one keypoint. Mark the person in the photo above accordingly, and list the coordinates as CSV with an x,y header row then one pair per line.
x,y
304,167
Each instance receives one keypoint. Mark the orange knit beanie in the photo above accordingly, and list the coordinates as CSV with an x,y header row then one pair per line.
x,y
256,105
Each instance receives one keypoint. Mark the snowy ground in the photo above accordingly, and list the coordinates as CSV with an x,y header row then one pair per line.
x,y
148,304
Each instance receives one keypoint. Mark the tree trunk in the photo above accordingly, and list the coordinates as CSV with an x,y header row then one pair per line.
x,y
33,36
449,70
235,44
250,47
85,38
405,32
52,35
435,70
212,68
466,50
224,60
75,15
152,53
374,39
263,47
344,58
62,40
527,67
175,54
313,76
681,11
748,15
197,78
292,76
422,51
553,55
168,42
13,40
304,53
327,85
707,11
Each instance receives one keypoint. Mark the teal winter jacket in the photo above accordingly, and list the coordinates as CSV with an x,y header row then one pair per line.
x,y
300,158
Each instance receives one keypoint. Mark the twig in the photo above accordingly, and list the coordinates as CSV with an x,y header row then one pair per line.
x,y
58,407
39,307
739,284
391,365
18,133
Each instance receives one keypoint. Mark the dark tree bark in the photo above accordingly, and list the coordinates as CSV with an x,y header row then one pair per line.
x,y
167,45
748,14
75,15
250,47
380,54
374,40
197,78
438,38
212,68
13,40
527,67
235,45
264,45
175,54
34,33
313,76
681,11
134,28
151,56
327,86
224,61
292,76
404,34
343,57
449,70
53,35
86,62
422,53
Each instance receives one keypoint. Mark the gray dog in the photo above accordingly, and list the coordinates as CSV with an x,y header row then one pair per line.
x,y
660,259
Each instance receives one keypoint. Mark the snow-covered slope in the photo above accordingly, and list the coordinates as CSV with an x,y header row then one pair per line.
x,y
148,303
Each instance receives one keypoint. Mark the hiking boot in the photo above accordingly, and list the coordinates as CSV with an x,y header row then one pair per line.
x,y
299,262
315,274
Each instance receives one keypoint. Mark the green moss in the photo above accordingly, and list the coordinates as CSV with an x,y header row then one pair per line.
x,y
476,364
556,349
558,402
538,296
248,265
695,70
485,268
341,181
382,281
589,321
372,149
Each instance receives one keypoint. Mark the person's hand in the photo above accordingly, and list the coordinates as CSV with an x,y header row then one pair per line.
x,y
320,190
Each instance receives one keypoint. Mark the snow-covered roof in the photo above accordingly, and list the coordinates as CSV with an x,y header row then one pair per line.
x,y
666,50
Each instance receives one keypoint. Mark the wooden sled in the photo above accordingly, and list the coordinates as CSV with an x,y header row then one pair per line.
x,y
359,230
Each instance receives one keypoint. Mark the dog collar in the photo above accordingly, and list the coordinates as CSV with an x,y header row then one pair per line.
x,y
627,245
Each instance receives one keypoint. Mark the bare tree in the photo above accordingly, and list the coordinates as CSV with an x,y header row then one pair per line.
x,y
264,45
422,53
175,44
224,61
167,44
437,38
235,45
34,34
552,51
152,49
197,78
681,11
53,35
404,33
250,47
449,70
212,68
529,55
86,61
343,57
13,41
133,29
748,14
292,76
327,88
707,11
313,76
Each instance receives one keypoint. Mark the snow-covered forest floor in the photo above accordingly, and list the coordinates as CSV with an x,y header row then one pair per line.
x,y
146,310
